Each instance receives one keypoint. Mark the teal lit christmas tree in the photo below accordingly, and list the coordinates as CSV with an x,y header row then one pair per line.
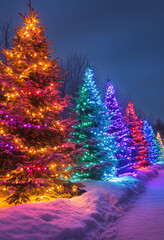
x,y
92,116
118,129
154,145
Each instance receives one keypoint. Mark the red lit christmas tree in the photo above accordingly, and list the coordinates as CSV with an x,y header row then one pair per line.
x,y
35,156
140,143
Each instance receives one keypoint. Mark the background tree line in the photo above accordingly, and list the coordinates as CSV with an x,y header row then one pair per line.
x,y
73,68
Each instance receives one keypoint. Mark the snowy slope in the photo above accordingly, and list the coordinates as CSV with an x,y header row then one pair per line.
x,y
83,217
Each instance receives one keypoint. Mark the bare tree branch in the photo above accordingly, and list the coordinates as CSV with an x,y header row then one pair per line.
x,y
6,33
75,66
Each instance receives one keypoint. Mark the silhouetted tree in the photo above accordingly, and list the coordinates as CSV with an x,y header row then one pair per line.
x,y
74,67
6,34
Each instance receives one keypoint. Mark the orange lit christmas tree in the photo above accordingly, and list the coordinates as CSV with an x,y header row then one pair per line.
x,y
35,157
141,153
159,139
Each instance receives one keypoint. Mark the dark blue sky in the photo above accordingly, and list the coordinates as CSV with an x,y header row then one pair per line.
x,y
124,39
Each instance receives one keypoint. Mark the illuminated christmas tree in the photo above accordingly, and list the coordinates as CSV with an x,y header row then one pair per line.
x,y
35,157
141,153
161,143
154,146
99,157
119,130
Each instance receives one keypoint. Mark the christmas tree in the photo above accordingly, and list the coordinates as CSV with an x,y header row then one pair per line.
x,y
140,143
35,157
118,129
99,157
154,146
161,143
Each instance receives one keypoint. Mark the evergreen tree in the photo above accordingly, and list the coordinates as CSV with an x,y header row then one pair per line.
x,y
154,146
99,157
35,157
161,143
118,129
140,143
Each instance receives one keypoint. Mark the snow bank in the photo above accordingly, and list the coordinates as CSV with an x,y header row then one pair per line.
x,y
152,171
83,217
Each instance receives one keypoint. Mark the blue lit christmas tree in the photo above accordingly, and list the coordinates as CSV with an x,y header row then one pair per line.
x,y
154,145
118,129
91,130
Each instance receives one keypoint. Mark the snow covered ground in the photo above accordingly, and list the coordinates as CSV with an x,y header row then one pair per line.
x,y
145,220
91,216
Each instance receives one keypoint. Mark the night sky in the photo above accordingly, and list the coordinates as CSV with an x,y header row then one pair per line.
x,y
123,39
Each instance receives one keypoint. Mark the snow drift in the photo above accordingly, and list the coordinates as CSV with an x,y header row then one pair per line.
x,y
83,217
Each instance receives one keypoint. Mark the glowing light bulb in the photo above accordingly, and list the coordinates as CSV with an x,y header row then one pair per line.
x,y
74,188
